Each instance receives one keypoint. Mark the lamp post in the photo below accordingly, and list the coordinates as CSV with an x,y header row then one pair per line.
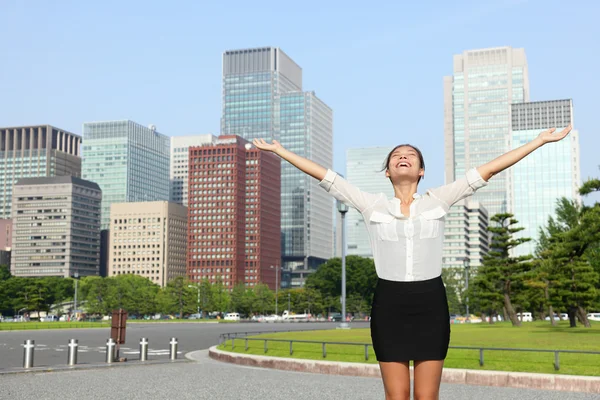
x,y
276,287
198,301
76,276
343,209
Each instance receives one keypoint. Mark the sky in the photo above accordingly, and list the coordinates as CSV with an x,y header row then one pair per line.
x,y
379,64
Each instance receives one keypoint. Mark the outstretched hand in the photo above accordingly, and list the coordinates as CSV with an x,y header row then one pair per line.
x,y
263,145
549,136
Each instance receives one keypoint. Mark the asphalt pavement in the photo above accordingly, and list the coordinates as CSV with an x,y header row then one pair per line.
x,y
209,379
51,344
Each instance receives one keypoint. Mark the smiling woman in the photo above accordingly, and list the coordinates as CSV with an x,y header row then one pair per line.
x,y
409,318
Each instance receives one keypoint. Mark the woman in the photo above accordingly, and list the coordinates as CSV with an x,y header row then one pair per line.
x,y
409,318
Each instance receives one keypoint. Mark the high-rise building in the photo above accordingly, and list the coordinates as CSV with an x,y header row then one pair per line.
x,y
234,213
130,163
547,174
477,100
6,234
363,169
56,227
263,98
35,151
466,238
179,164
148,239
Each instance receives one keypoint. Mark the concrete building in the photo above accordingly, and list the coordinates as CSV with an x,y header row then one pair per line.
x,y
56,227
547,174
363,169
263,98
148,239
35,151
6,234
130,162
466,238
234,213
477,101
179,164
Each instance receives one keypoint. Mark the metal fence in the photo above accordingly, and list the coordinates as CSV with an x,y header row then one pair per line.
x,y
223,338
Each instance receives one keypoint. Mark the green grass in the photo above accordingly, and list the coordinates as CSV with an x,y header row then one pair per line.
x,y
19,326
536,335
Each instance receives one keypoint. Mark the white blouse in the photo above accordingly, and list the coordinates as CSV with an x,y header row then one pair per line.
x,y
405,248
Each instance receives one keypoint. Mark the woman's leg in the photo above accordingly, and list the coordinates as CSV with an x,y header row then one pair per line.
x,y
428,376
396,380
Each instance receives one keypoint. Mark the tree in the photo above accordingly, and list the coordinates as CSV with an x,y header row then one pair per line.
x,y
265,299
238,299
361,278
454,280
500,273
219,297
571,238
179,297
95,291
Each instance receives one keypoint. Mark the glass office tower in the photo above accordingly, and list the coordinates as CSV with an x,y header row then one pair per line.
x,y
129,162
547,174
263,98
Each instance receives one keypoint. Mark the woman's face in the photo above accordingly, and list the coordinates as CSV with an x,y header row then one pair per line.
x,y
404,164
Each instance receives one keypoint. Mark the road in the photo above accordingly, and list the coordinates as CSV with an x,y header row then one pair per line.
x,y
213,380
51,345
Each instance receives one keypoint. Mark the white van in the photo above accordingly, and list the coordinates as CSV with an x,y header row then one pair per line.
x,y
232,316
525,317
49,318
594,316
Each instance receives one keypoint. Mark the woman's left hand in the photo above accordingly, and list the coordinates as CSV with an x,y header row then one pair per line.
x,y
549,135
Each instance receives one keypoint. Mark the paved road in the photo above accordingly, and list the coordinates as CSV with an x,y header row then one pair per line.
x,y
51,345
209,379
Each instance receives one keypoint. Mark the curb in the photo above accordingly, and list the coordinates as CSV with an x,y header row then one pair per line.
x,y
523,380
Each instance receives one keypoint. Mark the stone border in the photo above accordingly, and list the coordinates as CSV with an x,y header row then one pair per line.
x,y
567,383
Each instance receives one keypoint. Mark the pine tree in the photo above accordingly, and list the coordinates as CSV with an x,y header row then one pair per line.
x,y
500,275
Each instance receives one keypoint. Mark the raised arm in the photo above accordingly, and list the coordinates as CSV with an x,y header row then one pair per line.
x,y
509,159
334,184
305,165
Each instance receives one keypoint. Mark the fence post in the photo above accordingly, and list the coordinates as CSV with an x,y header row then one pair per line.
x,y
291,350
28,348
232,343
324,351
556,361
246,344
366,352
481,357
265,345
72,353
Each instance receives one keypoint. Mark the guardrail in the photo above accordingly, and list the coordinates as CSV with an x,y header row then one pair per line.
x,y
224,337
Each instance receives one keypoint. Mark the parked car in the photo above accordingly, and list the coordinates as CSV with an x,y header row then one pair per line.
x,y
594,316
525,317
195,316
335,317
8,319
49,318
232,317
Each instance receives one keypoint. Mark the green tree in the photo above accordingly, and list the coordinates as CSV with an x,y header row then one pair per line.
x,y
500,273
361,278
265,299
179,297
94,290
454,280
220,299
238,299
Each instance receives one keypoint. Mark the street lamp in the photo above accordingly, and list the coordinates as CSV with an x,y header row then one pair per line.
x,y
198,301
343,209
276,287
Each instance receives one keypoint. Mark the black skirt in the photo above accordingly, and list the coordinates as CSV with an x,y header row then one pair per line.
x,y
410,321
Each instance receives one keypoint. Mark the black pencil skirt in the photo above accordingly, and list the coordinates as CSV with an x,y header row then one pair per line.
x,y
410,321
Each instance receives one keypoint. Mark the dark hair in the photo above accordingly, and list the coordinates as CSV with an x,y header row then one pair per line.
x,y
386,164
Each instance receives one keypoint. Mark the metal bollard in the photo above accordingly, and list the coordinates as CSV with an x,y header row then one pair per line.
x,y
28,348
110,351
72,353
144,349
173,343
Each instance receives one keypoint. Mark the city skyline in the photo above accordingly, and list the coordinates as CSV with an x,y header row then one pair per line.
x,y
72,85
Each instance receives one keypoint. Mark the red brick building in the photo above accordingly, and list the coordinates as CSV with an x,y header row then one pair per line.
x,y
234,213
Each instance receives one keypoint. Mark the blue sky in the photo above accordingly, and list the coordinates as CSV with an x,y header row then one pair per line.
x,y
378,64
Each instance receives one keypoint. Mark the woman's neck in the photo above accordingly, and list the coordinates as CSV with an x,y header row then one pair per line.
x,y
404,191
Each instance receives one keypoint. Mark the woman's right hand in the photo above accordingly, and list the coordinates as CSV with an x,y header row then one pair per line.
x,y
263,145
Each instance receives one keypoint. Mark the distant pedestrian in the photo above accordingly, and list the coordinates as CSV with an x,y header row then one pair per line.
x,y
410,318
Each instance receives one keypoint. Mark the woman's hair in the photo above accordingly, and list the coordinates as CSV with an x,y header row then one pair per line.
x,y
386,164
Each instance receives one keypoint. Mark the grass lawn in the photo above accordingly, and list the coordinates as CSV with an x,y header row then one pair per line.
x,y
533,335
19,326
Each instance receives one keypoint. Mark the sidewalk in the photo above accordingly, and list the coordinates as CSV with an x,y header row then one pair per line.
x,y
201,377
